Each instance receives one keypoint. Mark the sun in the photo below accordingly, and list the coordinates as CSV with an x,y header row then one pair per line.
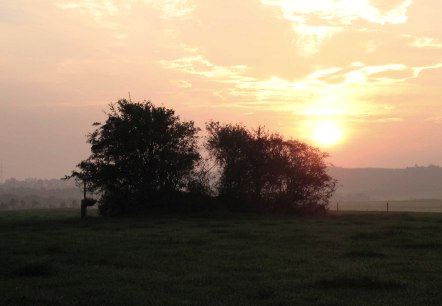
x,y
327,133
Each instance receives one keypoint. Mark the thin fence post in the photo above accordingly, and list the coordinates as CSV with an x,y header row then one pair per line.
x,y
84,189
387,207
83,209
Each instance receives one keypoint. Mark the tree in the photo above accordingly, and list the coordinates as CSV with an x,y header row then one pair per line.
x,y
140,157
262,171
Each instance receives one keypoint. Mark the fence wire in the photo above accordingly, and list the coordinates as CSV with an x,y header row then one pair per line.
x,y
391,206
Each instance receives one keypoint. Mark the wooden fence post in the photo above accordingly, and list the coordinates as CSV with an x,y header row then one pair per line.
x,y
387,207
83,202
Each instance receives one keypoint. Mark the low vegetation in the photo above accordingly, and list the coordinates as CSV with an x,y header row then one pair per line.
x,y
55,258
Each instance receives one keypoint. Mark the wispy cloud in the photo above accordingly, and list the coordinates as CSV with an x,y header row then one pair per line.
x,y
104,8
98,8
316,22
426,42
172,8
198,65
311,38
343,12
181,83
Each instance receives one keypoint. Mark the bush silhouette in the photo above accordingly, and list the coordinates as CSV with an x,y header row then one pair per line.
x,y
144,157
260,171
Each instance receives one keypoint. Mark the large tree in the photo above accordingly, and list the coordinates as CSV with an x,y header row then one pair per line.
x,y
263,171
140,157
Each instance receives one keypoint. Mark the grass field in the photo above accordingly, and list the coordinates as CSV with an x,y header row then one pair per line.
x,y
54,258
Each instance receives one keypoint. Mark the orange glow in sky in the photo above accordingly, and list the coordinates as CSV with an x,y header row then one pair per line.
x,y
361,79
327,133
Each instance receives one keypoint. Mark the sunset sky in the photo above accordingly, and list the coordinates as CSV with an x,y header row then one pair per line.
x,y
361,79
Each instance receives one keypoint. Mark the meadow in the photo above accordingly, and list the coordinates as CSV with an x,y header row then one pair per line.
x,y
52,257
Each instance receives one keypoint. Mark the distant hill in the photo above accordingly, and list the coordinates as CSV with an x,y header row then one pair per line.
x,y
388,184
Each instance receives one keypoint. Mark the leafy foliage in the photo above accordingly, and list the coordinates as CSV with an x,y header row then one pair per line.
x,y
144,157
140,157
262,171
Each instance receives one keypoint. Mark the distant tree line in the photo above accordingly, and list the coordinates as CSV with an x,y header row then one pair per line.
x,y
13,201
33,193
143,157
35,184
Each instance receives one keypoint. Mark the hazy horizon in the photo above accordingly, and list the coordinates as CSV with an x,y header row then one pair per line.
x,y
358,78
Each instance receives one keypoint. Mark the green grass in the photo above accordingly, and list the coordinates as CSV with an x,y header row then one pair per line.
x,y
54,258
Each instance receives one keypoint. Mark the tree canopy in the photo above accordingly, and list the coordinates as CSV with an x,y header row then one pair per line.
x,y
145,157
262,171
140,156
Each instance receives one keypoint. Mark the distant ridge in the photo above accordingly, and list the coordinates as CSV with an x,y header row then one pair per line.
x,y
388,184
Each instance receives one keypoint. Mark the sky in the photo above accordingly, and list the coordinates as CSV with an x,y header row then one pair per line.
x,y
361,79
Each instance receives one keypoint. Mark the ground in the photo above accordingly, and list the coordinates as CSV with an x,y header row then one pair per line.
x,y
55,258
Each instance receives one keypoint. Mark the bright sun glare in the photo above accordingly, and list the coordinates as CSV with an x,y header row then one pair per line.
x,y
327,133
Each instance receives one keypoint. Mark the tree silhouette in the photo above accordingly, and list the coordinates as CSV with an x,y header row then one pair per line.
x,y
140,157
262,171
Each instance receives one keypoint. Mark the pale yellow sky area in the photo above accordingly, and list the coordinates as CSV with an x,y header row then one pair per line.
x,y
359,78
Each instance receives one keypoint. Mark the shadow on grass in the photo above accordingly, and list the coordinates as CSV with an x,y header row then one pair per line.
x,y
383,235
423,245
366,236
27,300
358,283
364,254
265,293
35,269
